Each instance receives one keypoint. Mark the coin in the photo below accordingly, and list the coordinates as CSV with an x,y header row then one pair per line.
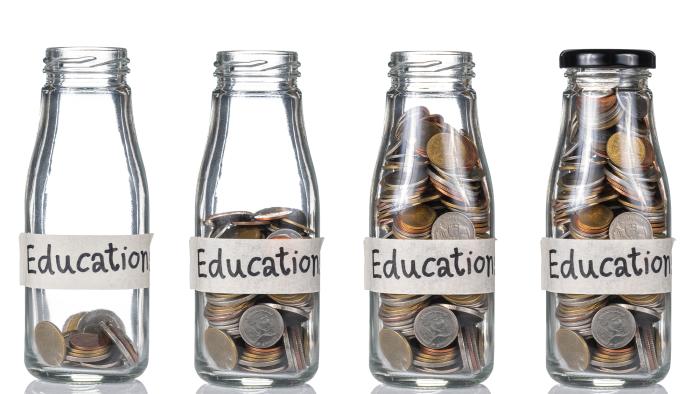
x,y
630,225
449,151
284,233
72,322
613,327
90,322
573,349
396,349
221,348
436,327
261,326
625,150
453,225
50,343
123,343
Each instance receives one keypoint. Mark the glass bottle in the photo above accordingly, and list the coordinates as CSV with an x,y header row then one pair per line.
x,y
608,182
431,168
257,181
86,177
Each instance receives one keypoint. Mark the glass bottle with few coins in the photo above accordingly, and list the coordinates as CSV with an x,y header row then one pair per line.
x,y
608,182
86,177
257,181
431,182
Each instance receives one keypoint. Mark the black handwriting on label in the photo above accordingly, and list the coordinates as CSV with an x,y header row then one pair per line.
x,y
455,264
111,259
633,264
283,263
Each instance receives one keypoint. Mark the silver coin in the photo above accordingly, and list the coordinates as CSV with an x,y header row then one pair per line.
x,y
261,326
91,321
453,225
630,225
284,233
613,327
436,327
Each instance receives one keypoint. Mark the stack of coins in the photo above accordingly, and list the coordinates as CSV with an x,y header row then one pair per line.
x,y
609,186
258,333
432,187
94,339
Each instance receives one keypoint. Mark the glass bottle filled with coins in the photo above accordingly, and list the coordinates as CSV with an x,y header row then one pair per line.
x,y
608,182
84,321
431,183
246,339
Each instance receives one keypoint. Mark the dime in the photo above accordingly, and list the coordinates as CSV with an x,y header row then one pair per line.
x,y
613,327
396,349
626,151
630,225
573,349
436,327
453,225
50,343
261,326
221,348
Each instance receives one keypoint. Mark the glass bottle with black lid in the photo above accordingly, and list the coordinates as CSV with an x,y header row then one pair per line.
x,y
608,185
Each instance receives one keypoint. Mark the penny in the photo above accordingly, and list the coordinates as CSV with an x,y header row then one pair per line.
x,y
396,349
418,217
630,225
436,327
261,326
87,341
221,348
595,217
50,343
449,151
613,327
453,225
626,151
573,349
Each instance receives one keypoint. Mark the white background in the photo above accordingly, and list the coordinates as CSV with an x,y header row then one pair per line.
x,y
344,49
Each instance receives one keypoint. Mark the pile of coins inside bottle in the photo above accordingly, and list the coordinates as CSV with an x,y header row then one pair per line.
x,y
94,339
610,187
432,187
259,333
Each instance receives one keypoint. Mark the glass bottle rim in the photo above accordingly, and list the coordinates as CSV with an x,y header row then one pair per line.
x,y
86,60
431,64
257,63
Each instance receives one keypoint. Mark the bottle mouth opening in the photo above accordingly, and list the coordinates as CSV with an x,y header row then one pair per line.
x,y
431,64
86,60
257,63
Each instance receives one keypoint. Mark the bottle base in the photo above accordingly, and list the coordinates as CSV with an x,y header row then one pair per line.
x,y
79,378
236,379
410,380
592,380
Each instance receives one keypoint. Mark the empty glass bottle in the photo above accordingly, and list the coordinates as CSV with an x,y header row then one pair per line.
x,y
431,185
608,185
256,188
85,250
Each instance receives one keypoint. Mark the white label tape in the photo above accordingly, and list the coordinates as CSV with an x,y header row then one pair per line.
x,y
102,262
257,266
606,266
430,266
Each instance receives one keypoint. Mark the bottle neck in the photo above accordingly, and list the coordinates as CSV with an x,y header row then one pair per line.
x,y
424,71
430,85
604,79
255,85
86,67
